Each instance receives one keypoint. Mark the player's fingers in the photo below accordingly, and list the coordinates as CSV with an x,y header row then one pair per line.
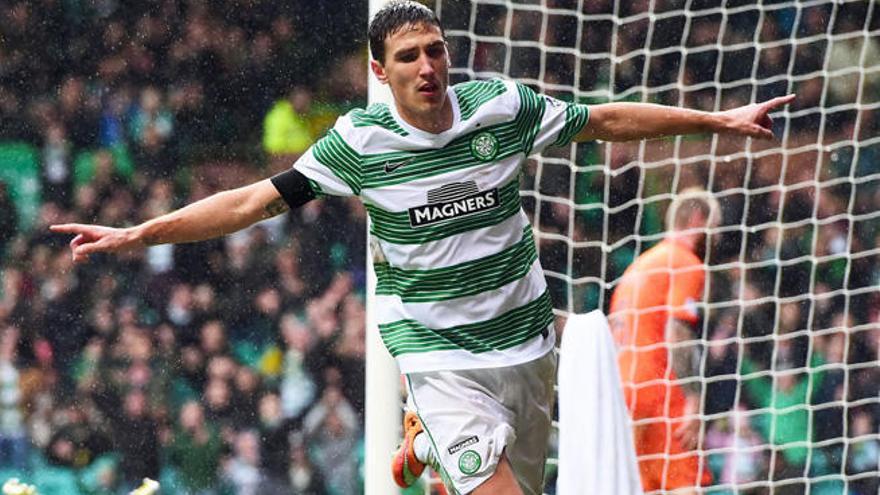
x,y
76,246
88,248
686,433
766,134
682,438
760,132
680,431
779,101
686,438
69,228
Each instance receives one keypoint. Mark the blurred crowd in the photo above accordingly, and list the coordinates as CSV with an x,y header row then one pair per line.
x,y
232,366
236,365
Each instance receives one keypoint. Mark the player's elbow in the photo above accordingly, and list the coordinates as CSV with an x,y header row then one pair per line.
x,y
612,122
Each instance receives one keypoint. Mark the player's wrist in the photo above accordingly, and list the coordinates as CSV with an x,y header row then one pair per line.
x,y
141,236
720,122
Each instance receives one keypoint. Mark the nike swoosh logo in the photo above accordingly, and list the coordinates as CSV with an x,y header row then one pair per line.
x,y
391,167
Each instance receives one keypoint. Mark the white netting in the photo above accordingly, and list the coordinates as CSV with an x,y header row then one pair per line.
x,y
792,290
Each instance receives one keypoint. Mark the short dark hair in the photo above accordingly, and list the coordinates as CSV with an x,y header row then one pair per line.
x,y
392,18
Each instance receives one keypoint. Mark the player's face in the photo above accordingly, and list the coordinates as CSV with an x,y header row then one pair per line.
x,y
416,68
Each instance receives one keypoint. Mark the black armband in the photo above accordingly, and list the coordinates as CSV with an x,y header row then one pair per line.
x,y
294,188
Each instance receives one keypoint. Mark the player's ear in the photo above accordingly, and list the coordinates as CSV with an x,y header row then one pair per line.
x,y
379,71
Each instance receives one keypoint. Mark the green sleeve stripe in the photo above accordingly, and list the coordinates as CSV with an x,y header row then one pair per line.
x,y
496,334
334,153
472,95
529,117
395,227
377,114
316,188
576,117
464,279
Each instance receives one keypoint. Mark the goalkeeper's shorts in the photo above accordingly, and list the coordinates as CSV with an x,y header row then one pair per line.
x,y
473,416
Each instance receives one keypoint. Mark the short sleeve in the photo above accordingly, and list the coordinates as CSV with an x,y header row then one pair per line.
x,y
557,124
332,165
685,291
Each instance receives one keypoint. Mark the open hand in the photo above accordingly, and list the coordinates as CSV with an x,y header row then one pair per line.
x,y
687,428
687,432
754,120
96,239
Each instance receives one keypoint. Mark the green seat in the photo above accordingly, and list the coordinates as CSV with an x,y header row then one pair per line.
x,y
716,464
169,480
55,481
91,476
84,164
20,170
181,393
9,473
248,353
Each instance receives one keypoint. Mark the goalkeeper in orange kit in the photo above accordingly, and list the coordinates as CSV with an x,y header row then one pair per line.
x,y
653,314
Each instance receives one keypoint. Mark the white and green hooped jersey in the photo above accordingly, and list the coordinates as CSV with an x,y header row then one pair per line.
x,y
459,283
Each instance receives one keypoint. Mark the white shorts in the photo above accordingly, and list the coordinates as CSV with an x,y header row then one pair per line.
x,y
473,416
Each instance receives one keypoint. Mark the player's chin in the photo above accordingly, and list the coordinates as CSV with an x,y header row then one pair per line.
x,y
433,96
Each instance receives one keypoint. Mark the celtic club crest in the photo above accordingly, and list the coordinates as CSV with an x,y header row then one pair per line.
x,y
469,462
484,146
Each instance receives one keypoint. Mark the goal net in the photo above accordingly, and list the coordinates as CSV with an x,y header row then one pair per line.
x,y
789,328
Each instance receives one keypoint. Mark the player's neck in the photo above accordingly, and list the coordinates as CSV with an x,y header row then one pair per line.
x,y
693,243
434,122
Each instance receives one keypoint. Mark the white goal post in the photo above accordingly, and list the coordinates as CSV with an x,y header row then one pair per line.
x,y
792,286
383,413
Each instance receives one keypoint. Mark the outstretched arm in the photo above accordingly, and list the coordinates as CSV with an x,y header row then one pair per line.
x,y
214,216
632,121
